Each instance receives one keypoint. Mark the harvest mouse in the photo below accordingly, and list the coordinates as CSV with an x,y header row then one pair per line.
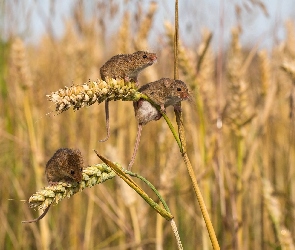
x,y
164,92
65,165
126,67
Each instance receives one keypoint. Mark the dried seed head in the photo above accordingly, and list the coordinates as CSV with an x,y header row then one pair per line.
x,y
289,67
52,194
78,96
20,65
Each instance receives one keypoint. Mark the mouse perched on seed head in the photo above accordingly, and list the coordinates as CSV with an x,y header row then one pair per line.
x,y
126,67
65,165
164,92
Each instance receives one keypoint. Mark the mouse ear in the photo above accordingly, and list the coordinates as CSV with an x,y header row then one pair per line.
x,y
166,82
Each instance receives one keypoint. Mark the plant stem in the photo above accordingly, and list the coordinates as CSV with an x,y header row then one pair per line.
x,y
151,186
163,212
181,132
169,123
192,175
134,186
176,42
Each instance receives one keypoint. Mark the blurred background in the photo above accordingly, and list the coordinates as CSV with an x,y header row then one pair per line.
x,y
237,57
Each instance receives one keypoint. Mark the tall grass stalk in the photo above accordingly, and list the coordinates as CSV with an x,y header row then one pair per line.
x,y
182,138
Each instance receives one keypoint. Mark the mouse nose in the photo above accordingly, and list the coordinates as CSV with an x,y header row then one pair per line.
x,y
184,95
153,57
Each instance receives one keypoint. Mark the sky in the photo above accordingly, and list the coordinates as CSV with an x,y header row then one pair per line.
x,y
34,16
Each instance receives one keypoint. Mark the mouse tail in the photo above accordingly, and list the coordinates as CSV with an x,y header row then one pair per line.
x,y
39,218
107,121
139,129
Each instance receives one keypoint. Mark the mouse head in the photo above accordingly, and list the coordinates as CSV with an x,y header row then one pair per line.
x,y
177,91
74,165
140,60
180,89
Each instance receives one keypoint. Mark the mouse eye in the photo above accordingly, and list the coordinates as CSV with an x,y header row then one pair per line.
x,y
178,89
144,56
72,172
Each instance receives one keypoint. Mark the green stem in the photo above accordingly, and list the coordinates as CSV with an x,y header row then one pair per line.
x,y
169,123
173,131
151,186
119,171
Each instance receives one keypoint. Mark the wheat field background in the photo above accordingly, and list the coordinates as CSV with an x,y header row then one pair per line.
x,y
240,131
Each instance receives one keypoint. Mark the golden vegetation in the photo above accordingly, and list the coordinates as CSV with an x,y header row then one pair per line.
x,y
245,165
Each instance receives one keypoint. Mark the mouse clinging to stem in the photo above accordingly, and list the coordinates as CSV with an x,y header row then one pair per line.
x,y
164,92
126,67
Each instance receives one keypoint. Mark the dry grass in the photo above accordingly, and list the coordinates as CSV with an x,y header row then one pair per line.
x,y
247,180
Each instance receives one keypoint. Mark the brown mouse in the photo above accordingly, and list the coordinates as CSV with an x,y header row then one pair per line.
x,y
126,67
66,165
164,92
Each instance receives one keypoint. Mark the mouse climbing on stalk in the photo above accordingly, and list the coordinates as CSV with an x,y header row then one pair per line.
x,y
126,67
164,92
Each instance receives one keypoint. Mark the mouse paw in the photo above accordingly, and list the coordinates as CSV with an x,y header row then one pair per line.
x,y
158,117
177,107
162,108
53,183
